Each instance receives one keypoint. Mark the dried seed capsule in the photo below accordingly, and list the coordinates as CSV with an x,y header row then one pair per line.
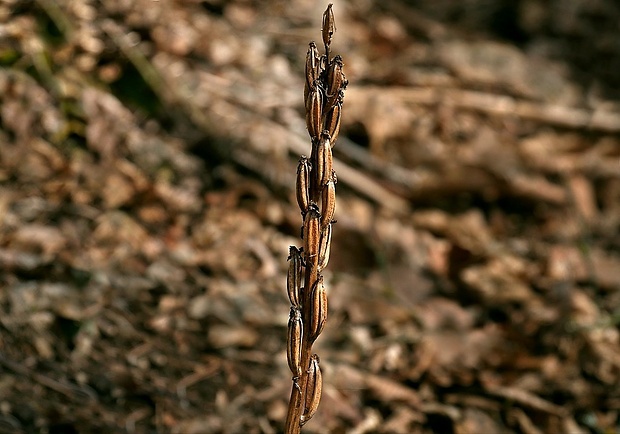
x,y
325,247
312,231
295,276
293,344
303,177
314,390
313,69
328,203
335,76
314,110
334,99
332,122
329,25
318,309
324,160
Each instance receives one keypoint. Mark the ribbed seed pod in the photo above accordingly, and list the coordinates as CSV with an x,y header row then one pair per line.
x,y
328,202
318,309
295,276
314,110
313,69
314,389
332,122
324,159
329,25
334,99
294,341
335,77
312,224
302,185
325,247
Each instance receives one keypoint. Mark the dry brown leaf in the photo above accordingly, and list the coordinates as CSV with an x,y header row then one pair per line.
x,y
498,282
475,421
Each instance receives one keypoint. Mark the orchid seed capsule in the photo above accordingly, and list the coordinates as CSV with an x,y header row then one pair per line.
x,y
294,276
332,122
329,25
313,69
318,309
335,76
314,110
302,186
312,64
328,203
334,99
294,341
324,159
312,224
325,247
314,389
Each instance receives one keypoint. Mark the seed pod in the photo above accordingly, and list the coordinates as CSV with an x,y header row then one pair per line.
x,y
303,177
293,343
329,25
314,110
325,247
314,390
334,99
318,309
335,76
295,276
324,159
328,203
313,69
312,232
332,122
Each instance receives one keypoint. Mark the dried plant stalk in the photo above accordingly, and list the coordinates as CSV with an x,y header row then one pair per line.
x,y
316,197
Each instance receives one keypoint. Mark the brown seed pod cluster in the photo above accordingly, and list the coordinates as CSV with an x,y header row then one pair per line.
x,y
316,197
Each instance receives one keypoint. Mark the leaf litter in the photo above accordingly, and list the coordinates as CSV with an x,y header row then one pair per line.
x,y
146,212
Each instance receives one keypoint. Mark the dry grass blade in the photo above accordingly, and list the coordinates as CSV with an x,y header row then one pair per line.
x,y
316,197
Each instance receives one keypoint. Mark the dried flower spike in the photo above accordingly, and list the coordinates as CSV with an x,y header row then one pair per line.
x,y
315,185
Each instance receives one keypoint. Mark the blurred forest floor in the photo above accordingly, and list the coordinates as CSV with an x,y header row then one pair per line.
x,y
147,160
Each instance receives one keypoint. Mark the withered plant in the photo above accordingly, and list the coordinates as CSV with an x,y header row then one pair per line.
x,y
316,197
